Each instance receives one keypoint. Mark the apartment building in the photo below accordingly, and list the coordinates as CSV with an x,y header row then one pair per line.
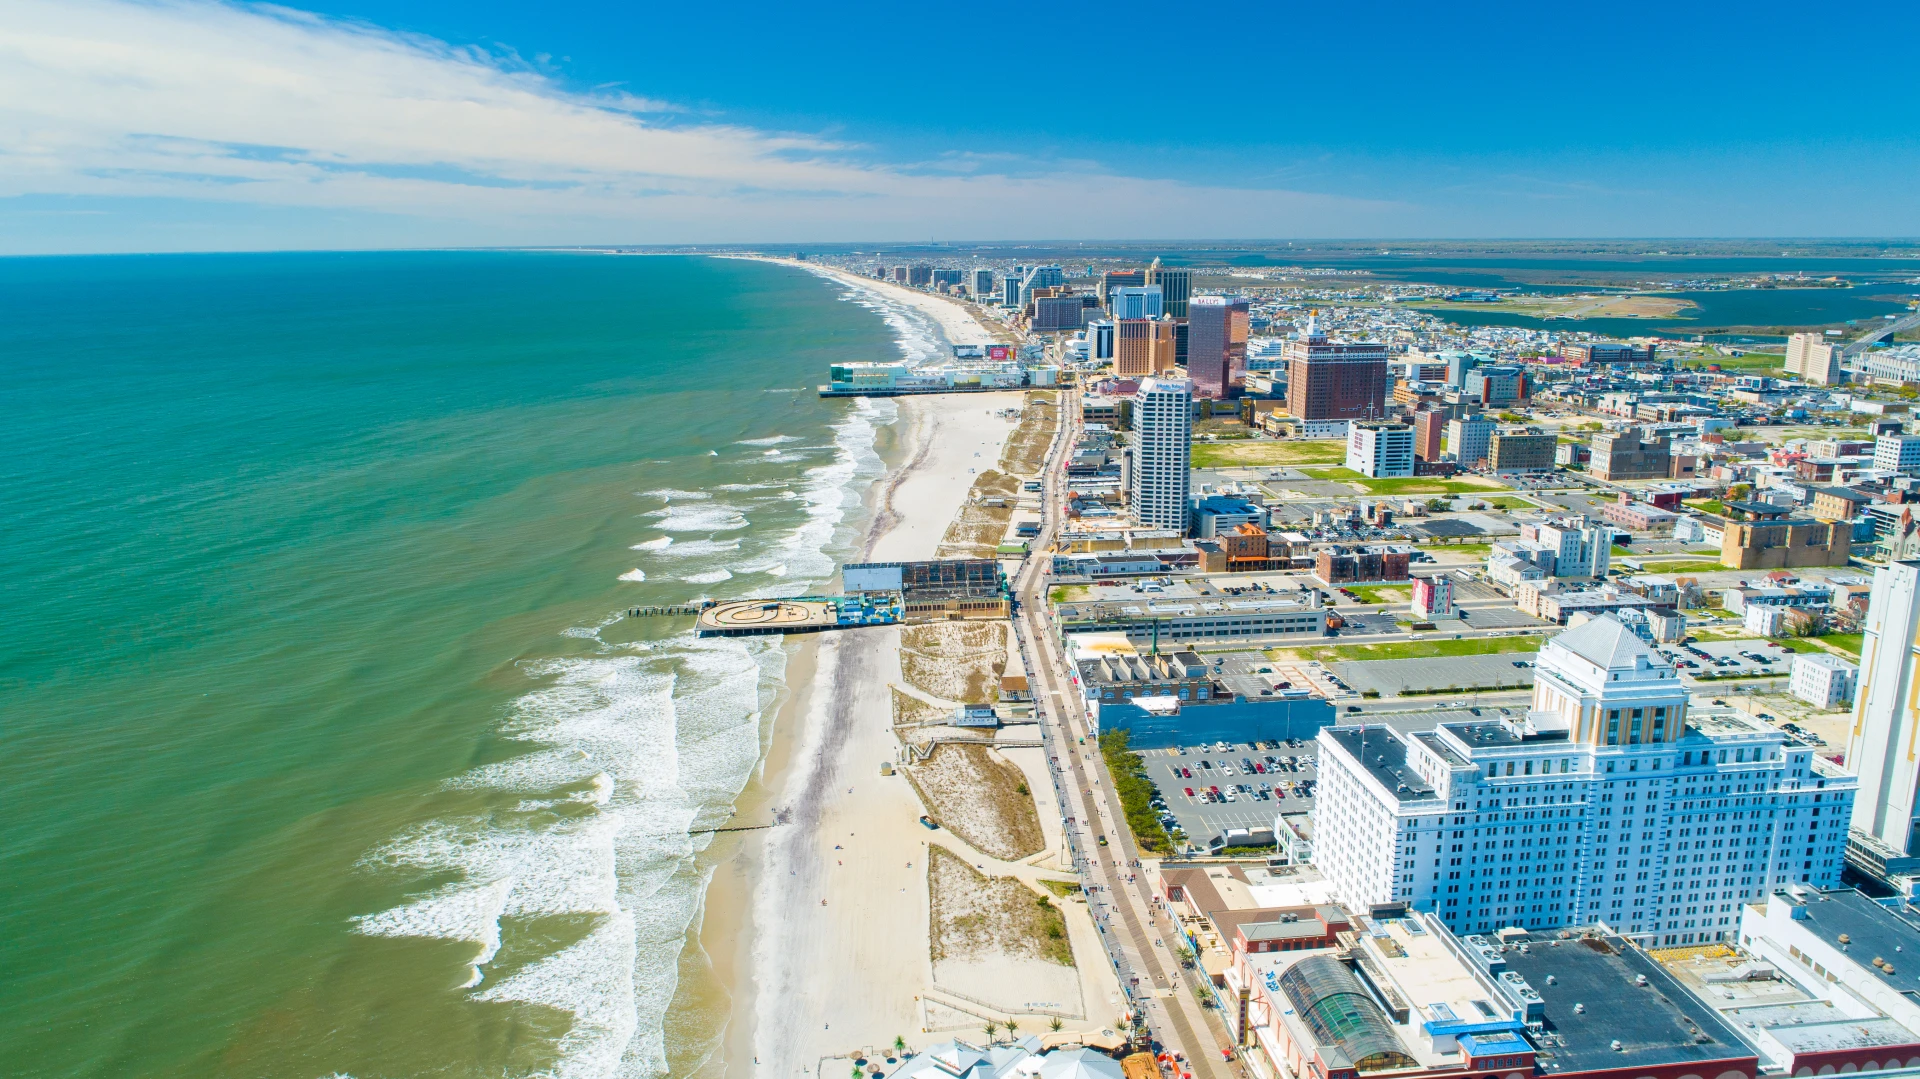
x,y
1810,356
1631,453
1378,450
1470,440
1517,452
1611,800
1897,453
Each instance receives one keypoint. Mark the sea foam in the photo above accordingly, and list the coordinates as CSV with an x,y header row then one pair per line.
x,y
628,750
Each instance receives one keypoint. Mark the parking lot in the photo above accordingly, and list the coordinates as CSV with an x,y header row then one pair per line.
x,y
1281,781
1732,662
1391,676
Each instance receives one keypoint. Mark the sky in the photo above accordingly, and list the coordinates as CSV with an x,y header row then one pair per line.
x,y
169,125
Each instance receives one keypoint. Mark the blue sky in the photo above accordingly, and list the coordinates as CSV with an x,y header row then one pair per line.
x,y
185,124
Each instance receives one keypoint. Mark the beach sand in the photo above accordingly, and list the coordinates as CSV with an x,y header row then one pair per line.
x,y
833,953
961,326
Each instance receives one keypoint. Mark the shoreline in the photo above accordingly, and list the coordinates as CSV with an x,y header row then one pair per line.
x,y
852,838
958,325
817,742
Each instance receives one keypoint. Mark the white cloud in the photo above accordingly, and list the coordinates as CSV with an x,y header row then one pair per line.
x,y
216,103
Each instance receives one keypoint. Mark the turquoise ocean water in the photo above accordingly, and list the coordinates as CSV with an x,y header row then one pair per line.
x,y
321,750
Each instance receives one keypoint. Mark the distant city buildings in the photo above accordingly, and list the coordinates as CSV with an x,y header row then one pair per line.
x,y
1175,287
1216,345
1100,341
1163,452
1606,352
1118,279
1142,301
1142,347
1810,356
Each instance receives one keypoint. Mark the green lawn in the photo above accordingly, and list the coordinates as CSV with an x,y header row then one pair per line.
x,y
1401,485
1850,643
1069,593
1445,646
1509,502
1461,548
1752,361
1683,567
1709,505
1381,593
1259,453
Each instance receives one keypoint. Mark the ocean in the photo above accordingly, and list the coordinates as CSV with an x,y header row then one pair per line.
x,y
326,750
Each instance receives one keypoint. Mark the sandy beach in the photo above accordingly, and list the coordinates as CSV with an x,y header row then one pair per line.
x,y
959,324
834,954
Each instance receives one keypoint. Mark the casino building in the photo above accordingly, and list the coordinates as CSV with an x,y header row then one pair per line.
x,y
1611,801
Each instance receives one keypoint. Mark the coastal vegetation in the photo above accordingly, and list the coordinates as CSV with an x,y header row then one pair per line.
x,y
1026,449
1136,791
910,711
977,529
972,916
955,661
981,797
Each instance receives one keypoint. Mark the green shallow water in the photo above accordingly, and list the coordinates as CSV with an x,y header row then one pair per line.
x,y
307,676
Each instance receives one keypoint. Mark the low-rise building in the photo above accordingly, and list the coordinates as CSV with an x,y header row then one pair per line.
x,y
1361,565
1433,596
1217,514
1822,680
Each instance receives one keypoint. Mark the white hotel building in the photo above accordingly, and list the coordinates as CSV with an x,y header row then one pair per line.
x,y
1610,801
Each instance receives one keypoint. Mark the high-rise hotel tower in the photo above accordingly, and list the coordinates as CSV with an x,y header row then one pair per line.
x,y
1611,800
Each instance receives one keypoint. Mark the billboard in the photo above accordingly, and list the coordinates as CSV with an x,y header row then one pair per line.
x,y
998,353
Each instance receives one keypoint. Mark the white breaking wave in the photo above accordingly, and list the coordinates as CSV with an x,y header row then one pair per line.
x,y
634,575
699,517
627,750
773,440
695,548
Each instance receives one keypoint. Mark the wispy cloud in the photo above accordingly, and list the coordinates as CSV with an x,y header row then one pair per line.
x,y
214,102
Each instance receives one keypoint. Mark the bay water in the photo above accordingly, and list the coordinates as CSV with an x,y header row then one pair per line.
x,y
324,749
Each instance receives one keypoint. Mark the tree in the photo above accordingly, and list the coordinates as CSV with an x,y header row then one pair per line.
x,y
899,1045
991,1028
1055,1024
1013,1029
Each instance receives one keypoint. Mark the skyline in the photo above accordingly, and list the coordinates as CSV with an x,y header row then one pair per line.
x,y
189,125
